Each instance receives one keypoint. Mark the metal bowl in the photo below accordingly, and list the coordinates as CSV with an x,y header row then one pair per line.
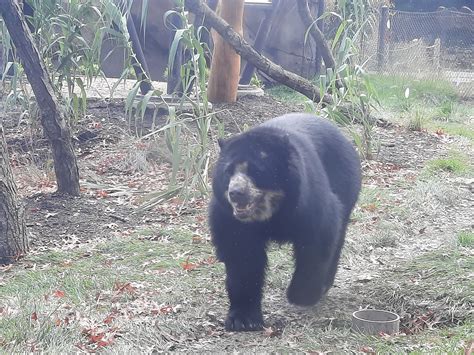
x,y
374,321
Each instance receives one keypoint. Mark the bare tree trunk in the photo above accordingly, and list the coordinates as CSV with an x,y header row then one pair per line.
x,y
318,36
320,24
225,66
259,44
262,63
53,122
13,237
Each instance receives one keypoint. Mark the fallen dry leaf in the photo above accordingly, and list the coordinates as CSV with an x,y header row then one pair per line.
x,y
166,310
59,294
124,288
470,349
271,332
110,318
367,350
187,266
102,194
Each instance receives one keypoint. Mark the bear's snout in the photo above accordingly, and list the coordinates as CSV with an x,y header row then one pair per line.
x,y
239,190
239,196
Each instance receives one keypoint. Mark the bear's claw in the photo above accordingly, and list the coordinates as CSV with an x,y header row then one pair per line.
x,y
238,321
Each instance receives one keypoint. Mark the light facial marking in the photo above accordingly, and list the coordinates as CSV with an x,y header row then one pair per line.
x,y
242,168
252,204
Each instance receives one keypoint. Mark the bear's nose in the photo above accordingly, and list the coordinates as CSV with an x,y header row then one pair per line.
x,y
238,196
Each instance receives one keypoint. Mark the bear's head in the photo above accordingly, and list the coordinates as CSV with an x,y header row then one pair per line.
x,y
252,176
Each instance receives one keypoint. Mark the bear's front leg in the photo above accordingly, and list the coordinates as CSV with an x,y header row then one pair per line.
x,y
245,270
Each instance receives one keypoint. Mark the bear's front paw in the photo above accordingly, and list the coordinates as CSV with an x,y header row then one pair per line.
x,y
243,321
305,295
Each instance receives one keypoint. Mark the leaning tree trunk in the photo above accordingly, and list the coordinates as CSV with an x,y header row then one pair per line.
x,y
53,122
13,237
262,63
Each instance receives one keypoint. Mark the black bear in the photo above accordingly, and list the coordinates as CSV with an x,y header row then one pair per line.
x,y
296,179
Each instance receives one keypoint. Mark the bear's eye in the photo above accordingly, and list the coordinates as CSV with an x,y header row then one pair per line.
x,y
228,169
256,171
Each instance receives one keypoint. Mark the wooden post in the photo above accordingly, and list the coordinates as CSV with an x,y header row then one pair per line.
x,y
382,35
443,17
52,120
13,236
225,65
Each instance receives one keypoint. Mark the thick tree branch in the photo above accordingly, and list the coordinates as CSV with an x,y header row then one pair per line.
x,y
262,63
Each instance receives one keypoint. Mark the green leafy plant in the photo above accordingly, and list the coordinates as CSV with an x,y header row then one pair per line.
x,y
69,36
354,101
446,109
193,73
187,134
256,81
417,121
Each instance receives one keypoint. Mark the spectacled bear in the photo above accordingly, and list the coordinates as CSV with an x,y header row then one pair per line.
x,y
293,179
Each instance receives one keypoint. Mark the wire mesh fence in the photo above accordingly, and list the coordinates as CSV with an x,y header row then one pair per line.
x,y
425,45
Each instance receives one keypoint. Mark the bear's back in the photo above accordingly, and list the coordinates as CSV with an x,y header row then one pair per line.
x,y
309,133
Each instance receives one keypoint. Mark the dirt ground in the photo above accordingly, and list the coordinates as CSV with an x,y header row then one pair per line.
x,y
110,177
404,216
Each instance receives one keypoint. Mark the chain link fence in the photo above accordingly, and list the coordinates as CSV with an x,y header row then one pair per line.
x,y
424,45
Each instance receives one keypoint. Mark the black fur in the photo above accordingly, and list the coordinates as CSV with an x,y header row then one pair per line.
x,y
319,172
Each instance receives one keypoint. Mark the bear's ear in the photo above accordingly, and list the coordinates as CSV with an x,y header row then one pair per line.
x,y
221,142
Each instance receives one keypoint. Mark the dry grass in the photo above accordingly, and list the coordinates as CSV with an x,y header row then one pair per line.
x,y
159,289
135,294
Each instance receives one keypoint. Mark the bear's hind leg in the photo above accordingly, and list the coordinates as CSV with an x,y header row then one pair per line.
x,y
308,284
333,265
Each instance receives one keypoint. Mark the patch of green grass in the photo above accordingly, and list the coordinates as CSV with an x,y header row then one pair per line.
x,y
455,162
37,298
391,90
286,94
417,121
466,239
137,288
446,109
454,129
416,290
